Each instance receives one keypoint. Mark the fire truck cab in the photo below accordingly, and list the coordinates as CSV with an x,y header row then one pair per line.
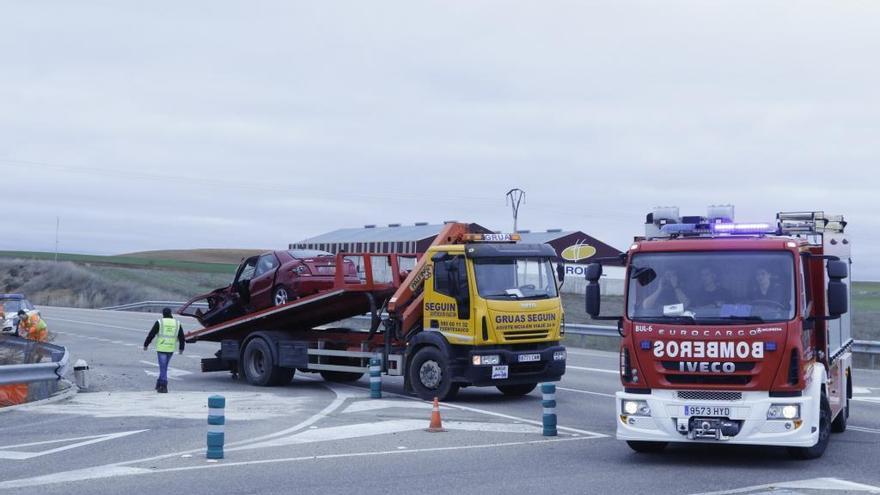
x,y
734,332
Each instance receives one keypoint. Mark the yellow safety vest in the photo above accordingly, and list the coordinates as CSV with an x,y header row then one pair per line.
x,y
168,329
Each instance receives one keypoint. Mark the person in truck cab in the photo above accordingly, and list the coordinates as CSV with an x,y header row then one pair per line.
x,y
765,288
710,292
668,292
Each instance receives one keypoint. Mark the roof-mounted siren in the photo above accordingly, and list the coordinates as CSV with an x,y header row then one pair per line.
x,y
660,216
719,214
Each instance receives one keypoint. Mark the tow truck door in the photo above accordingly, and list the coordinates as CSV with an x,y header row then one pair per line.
x,y
447,305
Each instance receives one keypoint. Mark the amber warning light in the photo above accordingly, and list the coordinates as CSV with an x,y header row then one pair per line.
x,y
491,237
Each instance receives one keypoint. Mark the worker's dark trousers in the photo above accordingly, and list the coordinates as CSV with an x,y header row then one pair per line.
x,y
164,359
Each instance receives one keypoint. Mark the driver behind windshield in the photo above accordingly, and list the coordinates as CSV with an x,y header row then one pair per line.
x,y
710,292
668,292
765,287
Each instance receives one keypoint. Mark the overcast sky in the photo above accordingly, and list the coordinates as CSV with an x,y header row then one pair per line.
x,y
151,125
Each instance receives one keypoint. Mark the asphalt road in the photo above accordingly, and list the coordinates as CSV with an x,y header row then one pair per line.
x,y
316,437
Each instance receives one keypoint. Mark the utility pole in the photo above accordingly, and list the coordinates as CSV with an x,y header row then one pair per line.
x,y
57,228
514,197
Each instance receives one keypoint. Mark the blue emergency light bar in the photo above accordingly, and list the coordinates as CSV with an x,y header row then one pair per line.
x,y
743,228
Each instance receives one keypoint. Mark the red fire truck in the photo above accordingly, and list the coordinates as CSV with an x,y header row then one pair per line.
x,y
734,332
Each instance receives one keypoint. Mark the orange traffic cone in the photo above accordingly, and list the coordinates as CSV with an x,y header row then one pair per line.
x,y
436,425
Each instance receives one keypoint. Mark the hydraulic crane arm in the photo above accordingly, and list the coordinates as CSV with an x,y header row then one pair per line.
x,y
405,306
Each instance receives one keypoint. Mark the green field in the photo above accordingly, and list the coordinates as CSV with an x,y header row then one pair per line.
x,y
129,261
865,311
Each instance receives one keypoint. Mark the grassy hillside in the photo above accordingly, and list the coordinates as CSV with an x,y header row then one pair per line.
x,y
229,256
96,286
129,261
865,311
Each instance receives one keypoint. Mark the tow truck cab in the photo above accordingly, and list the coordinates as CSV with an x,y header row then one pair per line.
x,y
735,333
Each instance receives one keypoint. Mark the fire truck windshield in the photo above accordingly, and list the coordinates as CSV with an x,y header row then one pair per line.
x,y
711,287
515,278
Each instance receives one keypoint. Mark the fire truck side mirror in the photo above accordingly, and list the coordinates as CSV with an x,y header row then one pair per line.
x,y
593,296
837,269
838,303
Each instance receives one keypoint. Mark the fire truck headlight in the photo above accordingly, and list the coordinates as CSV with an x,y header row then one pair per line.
x,y
784,411
636,408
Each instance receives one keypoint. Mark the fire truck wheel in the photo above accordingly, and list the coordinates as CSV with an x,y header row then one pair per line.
x,y
646,447
259,366
517,390
839,424
429,375
817,450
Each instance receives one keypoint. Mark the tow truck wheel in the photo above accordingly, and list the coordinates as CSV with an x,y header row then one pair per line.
x,y
839,423
817,450
259,365
429,375
517,390
646,447
280,295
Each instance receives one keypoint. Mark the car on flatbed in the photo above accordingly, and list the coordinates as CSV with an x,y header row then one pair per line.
x,y
271,279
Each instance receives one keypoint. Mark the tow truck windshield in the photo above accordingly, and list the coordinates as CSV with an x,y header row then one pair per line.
x,y
515,278
711,288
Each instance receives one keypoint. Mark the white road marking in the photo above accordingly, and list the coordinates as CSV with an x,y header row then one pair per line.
x,y
810,484
863,429
383,428
116,470
861,391
242,406
588,392
173,373
596,370
373,405
6,452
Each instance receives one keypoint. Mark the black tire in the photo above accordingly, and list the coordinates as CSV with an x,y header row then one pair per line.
x,y
517,390
340,376
281,295
259,367
816,451
839,423
646,447
429,375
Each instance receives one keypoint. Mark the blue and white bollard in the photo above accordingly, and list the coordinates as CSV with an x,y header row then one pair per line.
x,y
549,403
216,422
375,378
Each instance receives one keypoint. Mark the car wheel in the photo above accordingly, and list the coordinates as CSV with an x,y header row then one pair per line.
x,y
517,390
259,365
280,295
429,375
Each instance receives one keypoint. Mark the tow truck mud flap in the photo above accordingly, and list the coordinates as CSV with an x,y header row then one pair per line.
x,y
293,354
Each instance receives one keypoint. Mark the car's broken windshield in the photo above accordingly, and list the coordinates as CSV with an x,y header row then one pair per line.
x,y
712,287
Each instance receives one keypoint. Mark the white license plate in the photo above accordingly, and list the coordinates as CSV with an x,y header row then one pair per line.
x,y
710,411
527,358
499,372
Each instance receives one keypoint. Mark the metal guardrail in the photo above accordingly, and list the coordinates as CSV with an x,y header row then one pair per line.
x,y
153,306
36,372
866,346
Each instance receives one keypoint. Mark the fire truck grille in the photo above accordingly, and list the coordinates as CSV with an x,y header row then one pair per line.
x,y
525,334
710,379
706,395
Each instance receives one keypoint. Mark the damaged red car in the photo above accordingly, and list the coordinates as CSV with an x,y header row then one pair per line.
x,y
270,279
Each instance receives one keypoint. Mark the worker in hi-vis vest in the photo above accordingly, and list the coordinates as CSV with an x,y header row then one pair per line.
x,y
170,332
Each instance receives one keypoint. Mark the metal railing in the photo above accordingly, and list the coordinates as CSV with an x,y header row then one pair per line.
x,y
153,306
52,370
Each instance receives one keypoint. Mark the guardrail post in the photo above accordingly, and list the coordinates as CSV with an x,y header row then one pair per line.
x,y
549,404
216,424
375,378
80,375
